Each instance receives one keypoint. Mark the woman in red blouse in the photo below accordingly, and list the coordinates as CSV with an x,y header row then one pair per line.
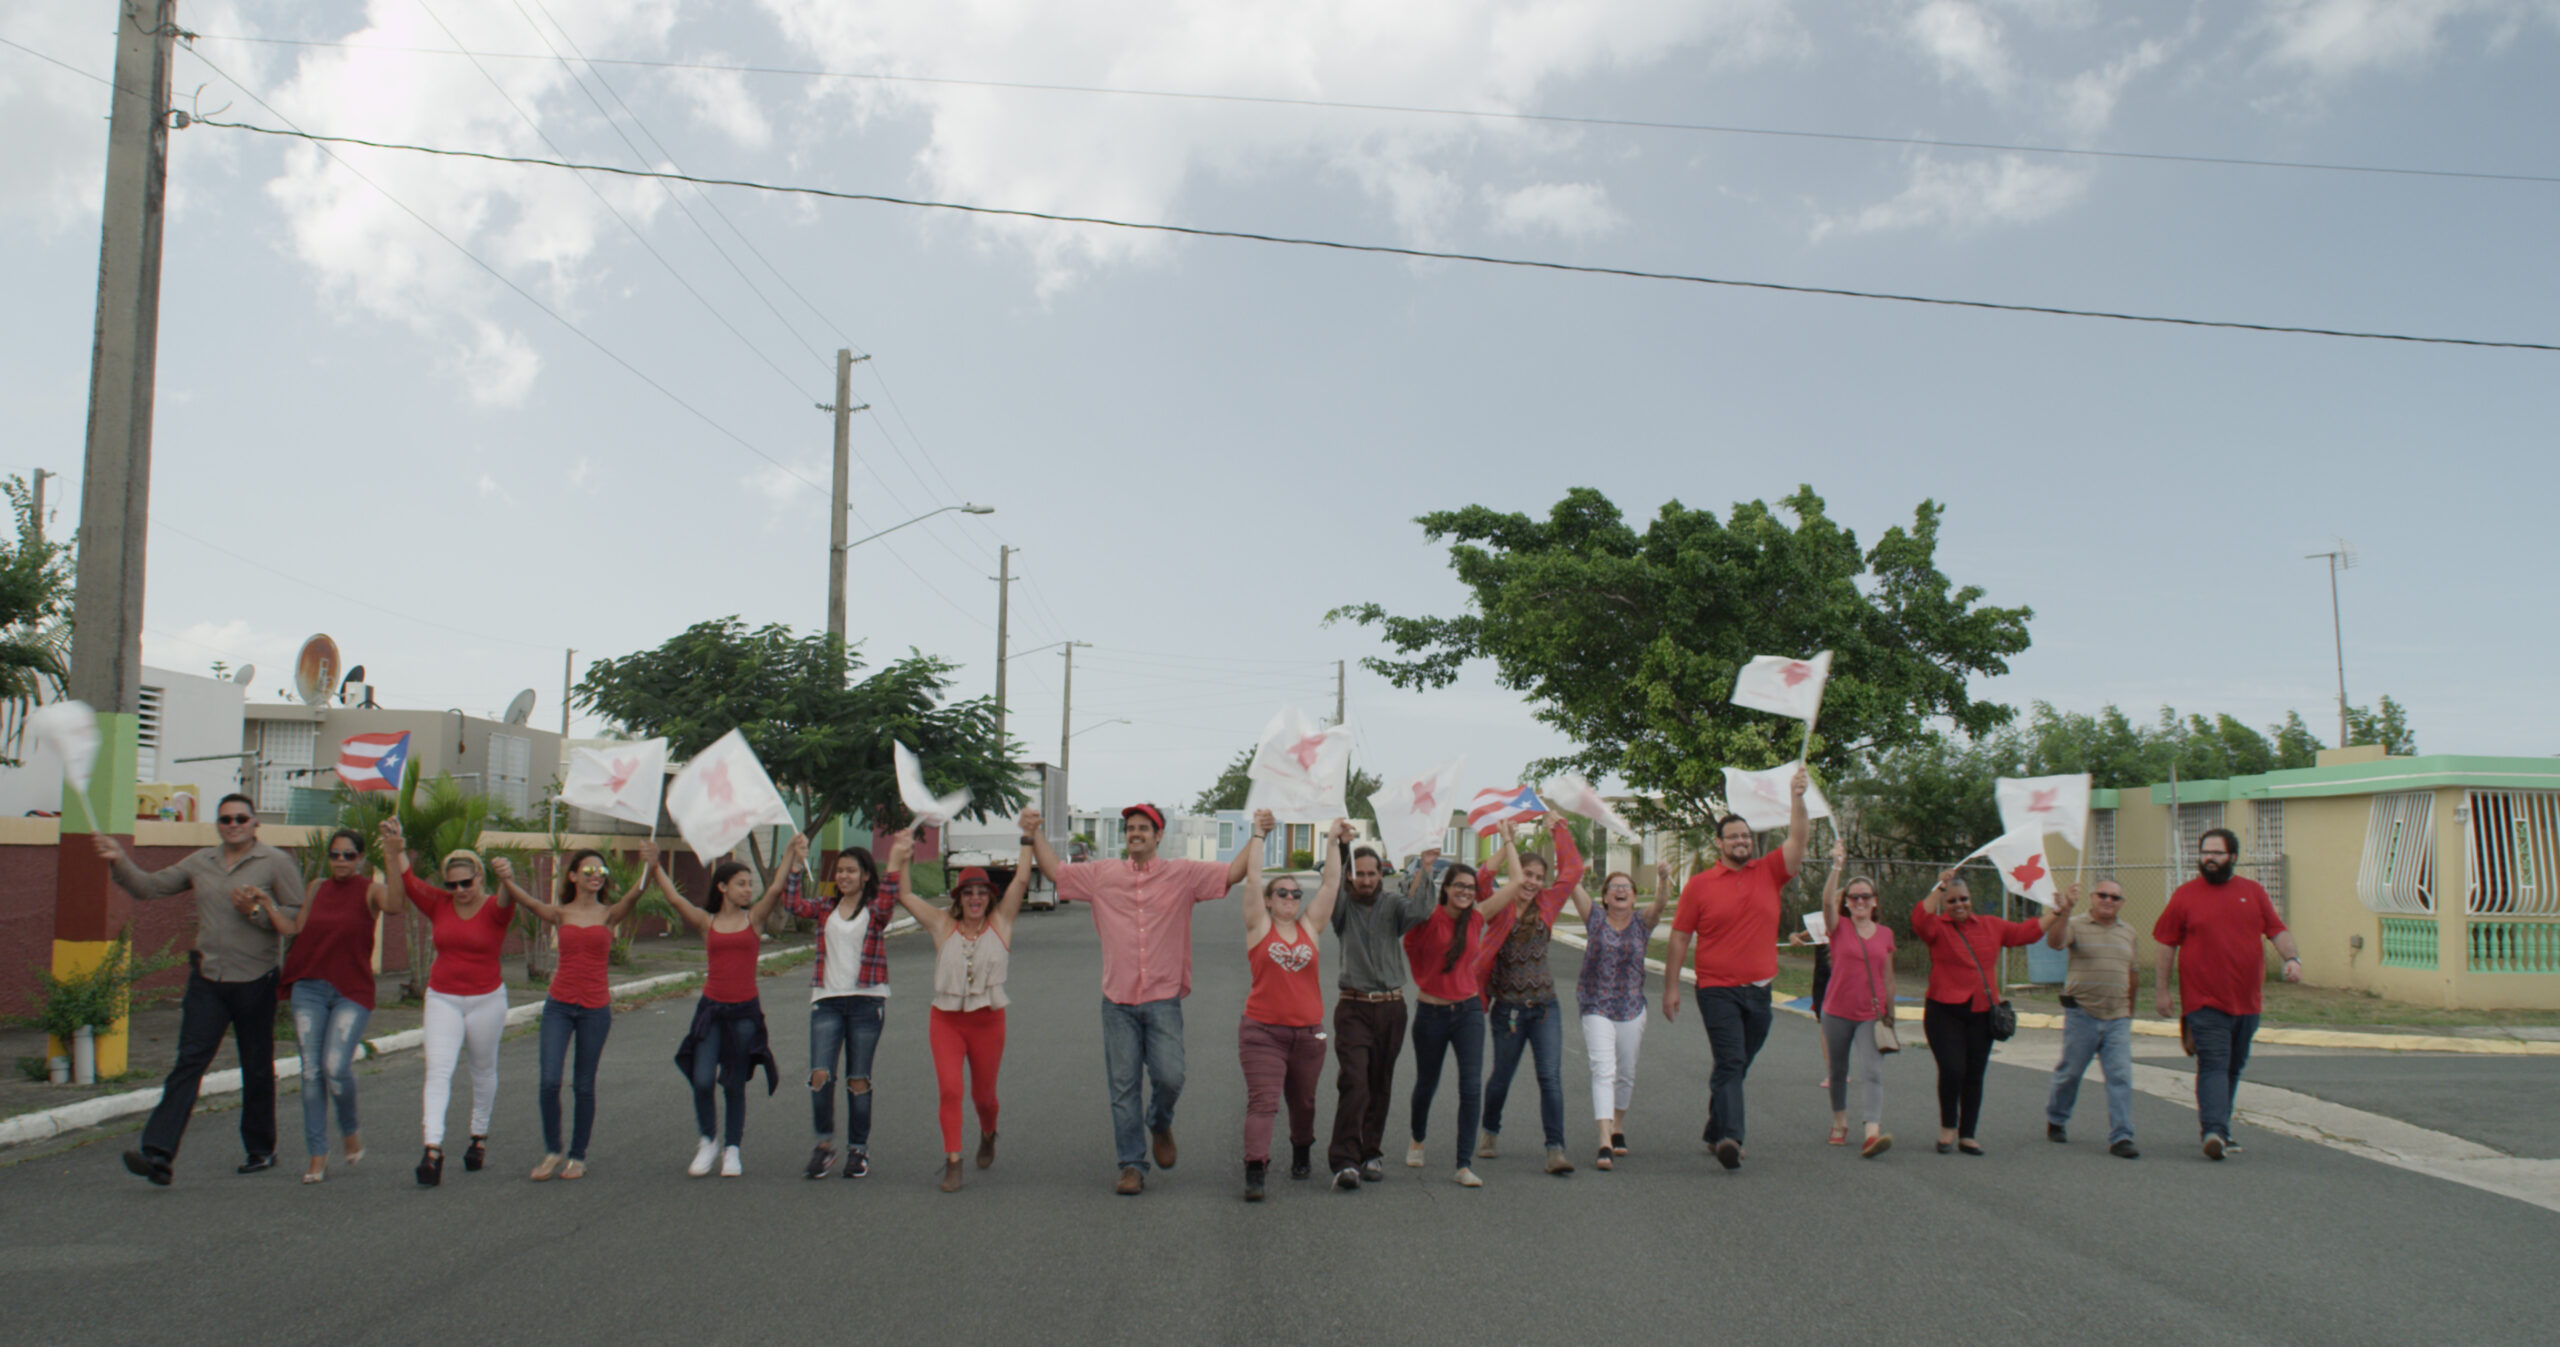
x,y
727,1041
328,981
1963,949
466,994
580,1005
1450,955
1281,1041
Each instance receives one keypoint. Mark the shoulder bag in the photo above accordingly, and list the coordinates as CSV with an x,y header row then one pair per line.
x,y
2004,1017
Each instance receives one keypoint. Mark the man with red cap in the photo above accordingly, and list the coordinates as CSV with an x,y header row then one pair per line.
x,y
1142,909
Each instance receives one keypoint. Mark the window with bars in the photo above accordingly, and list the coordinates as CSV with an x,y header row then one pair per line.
x,y
2102,841
511,770
2266,846
2513,837
2398,871
146,741
2194,821
284,761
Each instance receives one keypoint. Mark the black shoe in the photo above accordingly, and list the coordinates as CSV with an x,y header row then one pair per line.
x,y
819,1160
1969,1146
431,1168
1617,1143
1729,1153
1945,1147
1301,1163
2054,1132
857,1164
476,1154
2124,1150
1373,1170
257,1164
1253,1179
145,1165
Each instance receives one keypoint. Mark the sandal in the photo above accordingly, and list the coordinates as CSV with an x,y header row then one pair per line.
x,y
1603,1162
476,1154
1839,1134
575,1169
1617,1143
318,1171
431,1167
542,1172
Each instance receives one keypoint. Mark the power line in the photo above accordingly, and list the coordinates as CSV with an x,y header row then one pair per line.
x,y
1479,114
346,597
1423,254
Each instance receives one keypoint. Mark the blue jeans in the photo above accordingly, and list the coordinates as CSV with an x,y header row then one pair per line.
x,y
588,1025
2222,1049
331,1029
1737,1020
706,1078
1540,1029
1436,1029
2111,1042
846,1029
1146,1037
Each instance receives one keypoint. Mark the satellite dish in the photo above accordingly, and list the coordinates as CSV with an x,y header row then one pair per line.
x,y
520,710
247,672
315,670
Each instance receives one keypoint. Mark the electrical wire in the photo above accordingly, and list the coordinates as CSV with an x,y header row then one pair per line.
x,y
1426,254
342,595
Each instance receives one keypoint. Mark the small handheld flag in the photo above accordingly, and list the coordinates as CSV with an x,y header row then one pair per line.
x,y
373,761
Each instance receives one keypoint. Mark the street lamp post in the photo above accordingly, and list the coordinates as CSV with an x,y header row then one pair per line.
x,y
1065,740
2340,558
835,560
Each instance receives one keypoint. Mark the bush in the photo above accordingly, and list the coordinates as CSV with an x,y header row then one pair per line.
x,y
1302,859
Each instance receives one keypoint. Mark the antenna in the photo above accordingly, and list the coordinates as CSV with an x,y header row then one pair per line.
x,y
315,670
520,711
244,674
354,677
2346,554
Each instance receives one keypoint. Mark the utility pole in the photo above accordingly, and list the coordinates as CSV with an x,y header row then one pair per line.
x,y
115,488
2341,557
41,474
842,495
1004,612
1337,692
1067,700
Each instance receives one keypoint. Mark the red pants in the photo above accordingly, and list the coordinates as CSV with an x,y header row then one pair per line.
x,y
1281,1062
976,1036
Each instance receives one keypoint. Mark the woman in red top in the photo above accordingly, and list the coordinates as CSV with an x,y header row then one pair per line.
x,y
727,1041
1963,949
466,995
1450,954
580,1005
328,980
1281,1040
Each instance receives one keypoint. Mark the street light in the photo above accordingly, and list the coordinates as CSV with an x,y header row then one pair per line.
x,y
835,556
2340,558
964,509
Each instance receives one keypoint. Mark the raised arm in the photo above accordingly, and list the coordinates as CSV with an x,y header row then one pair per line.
x,y
614,915
543,909
1831,883
1329,889
395,847
1010,905
1799,828
509,892
1582,904
1513,885
902,847
693,916
1038,841
382,897
1247,862
2057,922
1936,901
1661,892
793,857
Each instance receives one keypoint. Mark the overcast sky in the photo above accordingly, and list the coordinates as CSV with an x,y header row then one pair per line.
x,y
1201,446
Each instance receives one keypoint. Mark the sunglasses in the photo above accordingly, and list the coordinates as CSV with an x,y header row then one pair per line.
x,y
458,885
1284,893
234,818
590,871
345,855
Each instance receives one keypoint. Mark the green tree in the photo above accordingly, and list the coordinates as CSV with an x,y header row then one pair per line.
x,y
35,614
824,737
2388,727
1629,642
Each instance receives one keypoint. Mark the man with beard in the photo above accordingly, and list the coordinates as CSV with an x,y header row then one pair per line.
x,y
1732,913
1369,1016
2212,927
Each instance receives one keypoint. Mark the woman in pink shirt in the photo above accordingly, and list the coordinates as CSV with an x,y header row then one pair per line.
x,y
1450,955
1281,1041
1860,995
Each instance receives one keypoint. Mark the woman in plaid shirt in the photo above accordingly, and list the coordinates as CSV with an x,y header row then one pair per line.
x,y
848,994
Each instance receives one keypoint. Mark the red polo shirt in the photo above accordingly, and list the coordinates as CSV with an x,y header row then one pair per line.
x,y
2216,929
1734,914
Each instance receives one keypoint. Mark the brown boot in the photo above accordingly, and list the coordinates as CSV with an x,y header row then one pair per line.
x,y
986,1149
1133,1181
951,1174
1165,1153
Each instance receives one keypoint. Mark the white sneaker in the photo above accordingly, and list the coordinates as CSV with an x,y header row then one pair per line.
x,y
1466,1178
729,1166
1413,1156
703,1155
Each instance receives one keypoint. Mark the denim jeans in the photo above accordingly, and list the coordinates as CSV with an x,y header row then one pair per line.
x,y
2222,1049
1437,1029
331,1029
588,1025
1143,1038
2111,1042
844,1029
1540,1029
247,1012
706,1078
1737,1020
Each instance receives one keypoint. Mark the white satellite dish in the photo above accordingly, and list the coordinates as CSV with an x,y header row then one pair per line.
x,y
520,711
247,672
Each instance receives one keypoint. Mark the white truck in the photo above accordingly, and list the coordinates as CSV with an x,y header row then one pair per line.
x,y
995,843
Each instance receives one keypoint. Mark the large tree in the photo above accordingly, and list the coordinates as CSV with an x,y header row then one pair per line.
x,y
35,614
824,737
1628,642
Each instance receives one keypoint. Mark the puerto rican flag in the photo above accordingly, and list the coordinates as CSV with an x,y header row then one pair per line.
x,y
373,761
1498,805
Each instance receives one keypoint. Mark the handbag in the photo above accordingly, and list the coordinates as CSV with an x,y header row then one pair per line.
x,y
2004,1017
1887,1039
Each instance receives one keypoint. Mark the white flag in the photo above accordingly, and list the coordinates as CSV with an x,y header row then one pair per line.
x,y
1574,795
924,804
69,731
1413,816
1299,771
1787,687
2045,804
721,796
1817,928
2019,857
624,781
1761,797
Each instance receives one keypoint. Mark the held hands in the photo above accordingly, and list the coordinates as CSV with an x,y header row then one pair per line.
x,y
1263,823
505,872
1342,831
648,855
902,845
245,899
1422,864
1029,823
797,852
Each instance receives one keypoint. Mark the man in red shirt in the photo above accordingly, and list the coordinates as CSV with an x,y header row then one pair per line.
x,y
2212,926
1732,912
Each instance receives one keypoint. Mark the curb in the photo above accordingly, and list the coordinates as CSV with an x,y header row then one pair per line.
x,y
2300,1038
46,1124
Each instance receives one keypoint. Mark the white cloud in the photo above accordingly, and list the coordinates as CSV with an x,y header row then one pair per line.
x,y
720,98
194,647
2333,39
1966,195
1576,210
1964,41
53,160
2089,99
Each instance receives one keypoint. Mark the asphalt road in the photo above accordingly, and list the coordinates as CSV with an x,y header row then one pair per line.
x,y
2509,1103
2290,1243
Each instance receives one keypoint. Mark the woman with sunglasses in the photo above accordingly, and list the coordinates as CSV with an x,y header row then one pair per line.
x,y
1963,947
1280,1042
328,983
466,994
848,1000
1860,996
1611,998
1450,954
579,1007
972,944
727,1040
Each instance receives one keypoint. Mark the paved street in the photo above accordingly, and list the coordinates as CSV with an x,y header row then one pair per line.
x,y
2290,1243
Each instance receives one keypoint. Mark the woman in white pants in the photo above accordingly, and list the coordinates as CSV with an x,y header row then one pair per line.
x,y
1611,995
466,994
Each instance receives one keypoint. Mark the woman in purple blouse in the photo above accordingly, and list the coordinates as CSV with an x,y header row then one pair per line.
x,y
1611,995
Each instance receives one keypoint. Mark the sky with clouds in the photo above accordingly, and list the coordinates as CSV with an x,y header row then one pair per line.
x,y
464,416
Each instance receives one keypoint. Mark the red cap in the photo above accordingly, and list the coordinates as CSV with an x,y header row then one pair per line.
x,y
973,875
1146,811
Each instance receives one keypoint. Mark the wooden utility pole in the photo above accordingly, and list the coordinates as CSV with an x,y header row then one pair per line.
x,y
1004,613
1337,692
842,496
1067,702
41,474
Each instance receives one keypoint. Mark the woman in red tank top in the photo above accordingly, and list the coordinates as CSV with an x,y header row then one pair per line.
x,y
580,1004
1281,1041
328,981
727,1041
